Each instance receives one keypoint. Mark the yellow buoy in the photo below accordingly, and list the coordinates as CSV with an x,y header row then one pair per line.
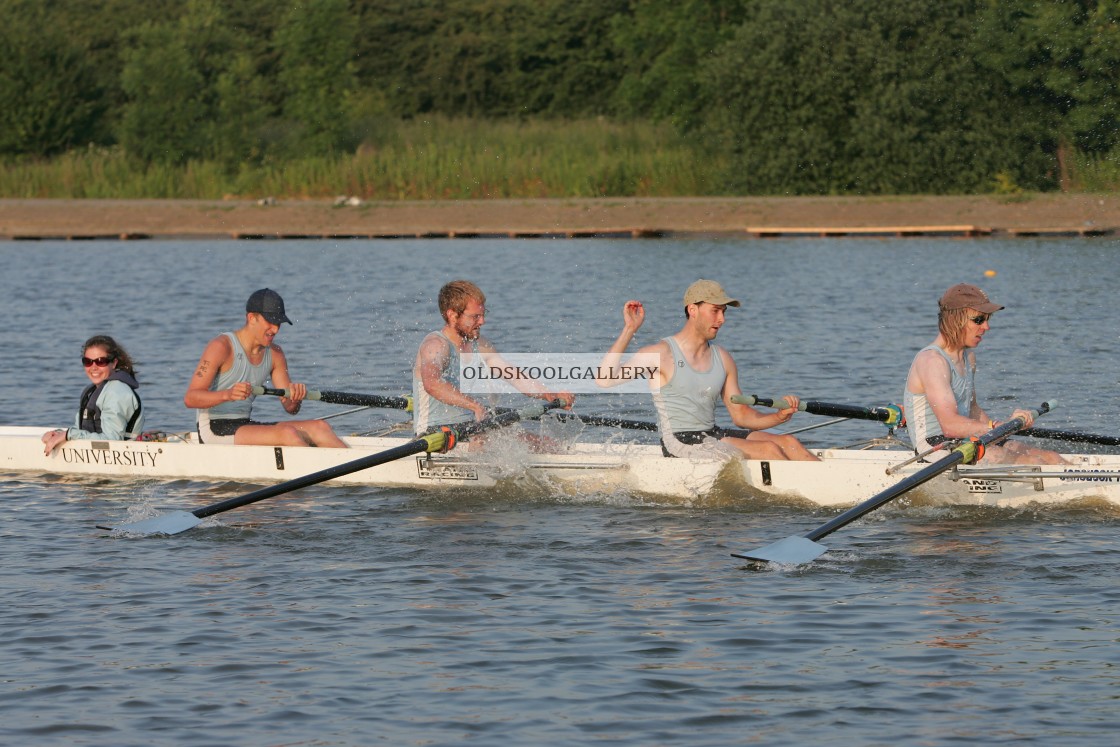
x,y
989,273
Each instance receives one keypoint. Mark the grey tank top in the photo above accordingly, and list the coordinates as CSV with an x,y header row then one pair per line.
x,y
688,401
921,423
429,412
241,370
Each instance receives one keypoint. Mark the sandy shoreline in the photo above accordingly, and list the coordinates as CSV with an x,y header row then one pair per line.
x,y
1050,213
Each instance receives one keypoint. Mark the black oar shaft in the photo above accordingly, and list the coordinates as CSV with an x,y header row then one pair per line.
x,y
1085,438
431,442
271,491
889,415
608,421
344,398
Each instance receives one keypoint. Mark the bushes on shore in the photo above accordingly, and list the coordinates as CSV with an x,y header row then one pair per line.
x,y
476,98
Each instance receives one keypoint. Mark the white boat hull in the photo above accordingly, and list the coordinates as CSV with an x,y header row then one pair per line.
x,y
582,468
843,477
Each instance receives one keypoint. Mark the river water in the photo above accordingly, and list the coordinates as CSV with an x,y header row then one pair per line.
x,y
343,616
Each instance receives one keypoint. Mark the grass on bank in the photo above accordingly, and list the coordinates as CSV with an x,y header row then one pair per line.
x,y
415,160
435,159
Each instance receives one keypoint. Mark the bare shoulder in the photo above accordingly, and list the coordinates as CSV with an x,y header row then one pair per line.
x,y
929,364
930,357
434,344
218,349
661,347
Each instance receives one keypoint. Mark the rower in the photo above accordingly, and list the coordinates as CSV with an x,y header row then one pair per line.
x,y
437,394
940,393
693,374
221,389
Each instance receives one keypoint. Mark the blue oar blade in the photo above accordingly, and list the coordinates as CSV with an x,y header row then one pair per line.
x,y
171,523
790,551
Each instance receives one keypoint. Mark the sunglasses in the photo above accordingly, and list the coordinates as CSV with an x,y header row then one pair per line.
x,y
979,318
102,361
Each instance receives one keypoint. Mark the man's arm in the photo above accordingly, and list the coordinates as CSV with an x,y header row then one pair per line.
x,y
746,416
528,387
218,353
281,380
633,316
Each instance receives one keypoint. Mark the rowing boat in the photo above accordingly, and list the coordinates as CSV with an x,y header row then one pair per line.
x,y
842,477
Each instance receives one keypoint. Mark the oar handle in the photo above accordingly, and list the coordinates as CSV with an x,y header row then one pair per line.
x,y
967,452
343,398
886,414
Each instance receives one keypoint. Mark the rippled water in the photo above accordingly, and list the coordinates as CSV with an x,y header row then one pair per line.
x,y
342,616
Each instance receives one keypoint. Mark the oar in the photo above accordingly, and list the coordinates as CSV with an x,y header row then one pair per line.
x,y
1087,438
804,548
609,421
344,398
886,414
180,521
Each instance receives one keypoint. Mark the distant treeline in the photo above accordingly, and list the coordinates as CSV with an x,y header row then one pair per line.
x,y
723,96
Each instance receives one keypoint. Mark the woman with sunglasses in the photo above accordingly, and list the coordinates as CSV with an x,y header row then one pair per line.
x,y
109,408
940,393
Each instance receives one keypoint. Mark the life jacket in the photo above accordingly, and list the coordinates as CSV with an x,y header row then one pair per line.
x,y
90,413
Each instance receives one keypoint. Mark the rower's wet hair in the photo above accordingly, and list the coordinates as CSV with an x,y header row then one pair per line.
x,y
454,296
115,351
952,323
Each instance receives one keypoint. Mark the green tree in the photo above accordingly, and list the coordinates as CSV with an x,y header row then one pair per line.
x,y
491,58
241,111
1063,60
165,117
316,46
193,91
869,96
663,44
49,99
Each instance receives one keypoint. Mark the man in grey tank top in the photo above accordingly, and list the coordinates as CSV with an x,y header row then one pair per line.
x,y
232,364
436,394
939,397
693,375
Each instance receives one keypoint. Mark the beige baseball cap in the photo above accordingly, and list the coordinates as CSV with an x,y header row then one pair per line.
x,y
708,291
966,296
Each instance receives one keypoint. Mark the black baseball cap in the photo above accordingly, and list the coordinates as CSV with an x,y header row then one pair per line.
x,y
268,304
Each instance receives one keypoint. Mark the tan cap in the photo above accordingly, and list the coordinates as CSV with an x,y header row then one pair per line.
x,y
966,296
708,291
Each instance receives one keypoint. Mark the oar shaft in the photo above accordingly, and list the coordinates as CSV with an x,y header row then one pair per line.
x,y
1085,438
608,421
966,452
891,415
908,484
433,442
344,398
